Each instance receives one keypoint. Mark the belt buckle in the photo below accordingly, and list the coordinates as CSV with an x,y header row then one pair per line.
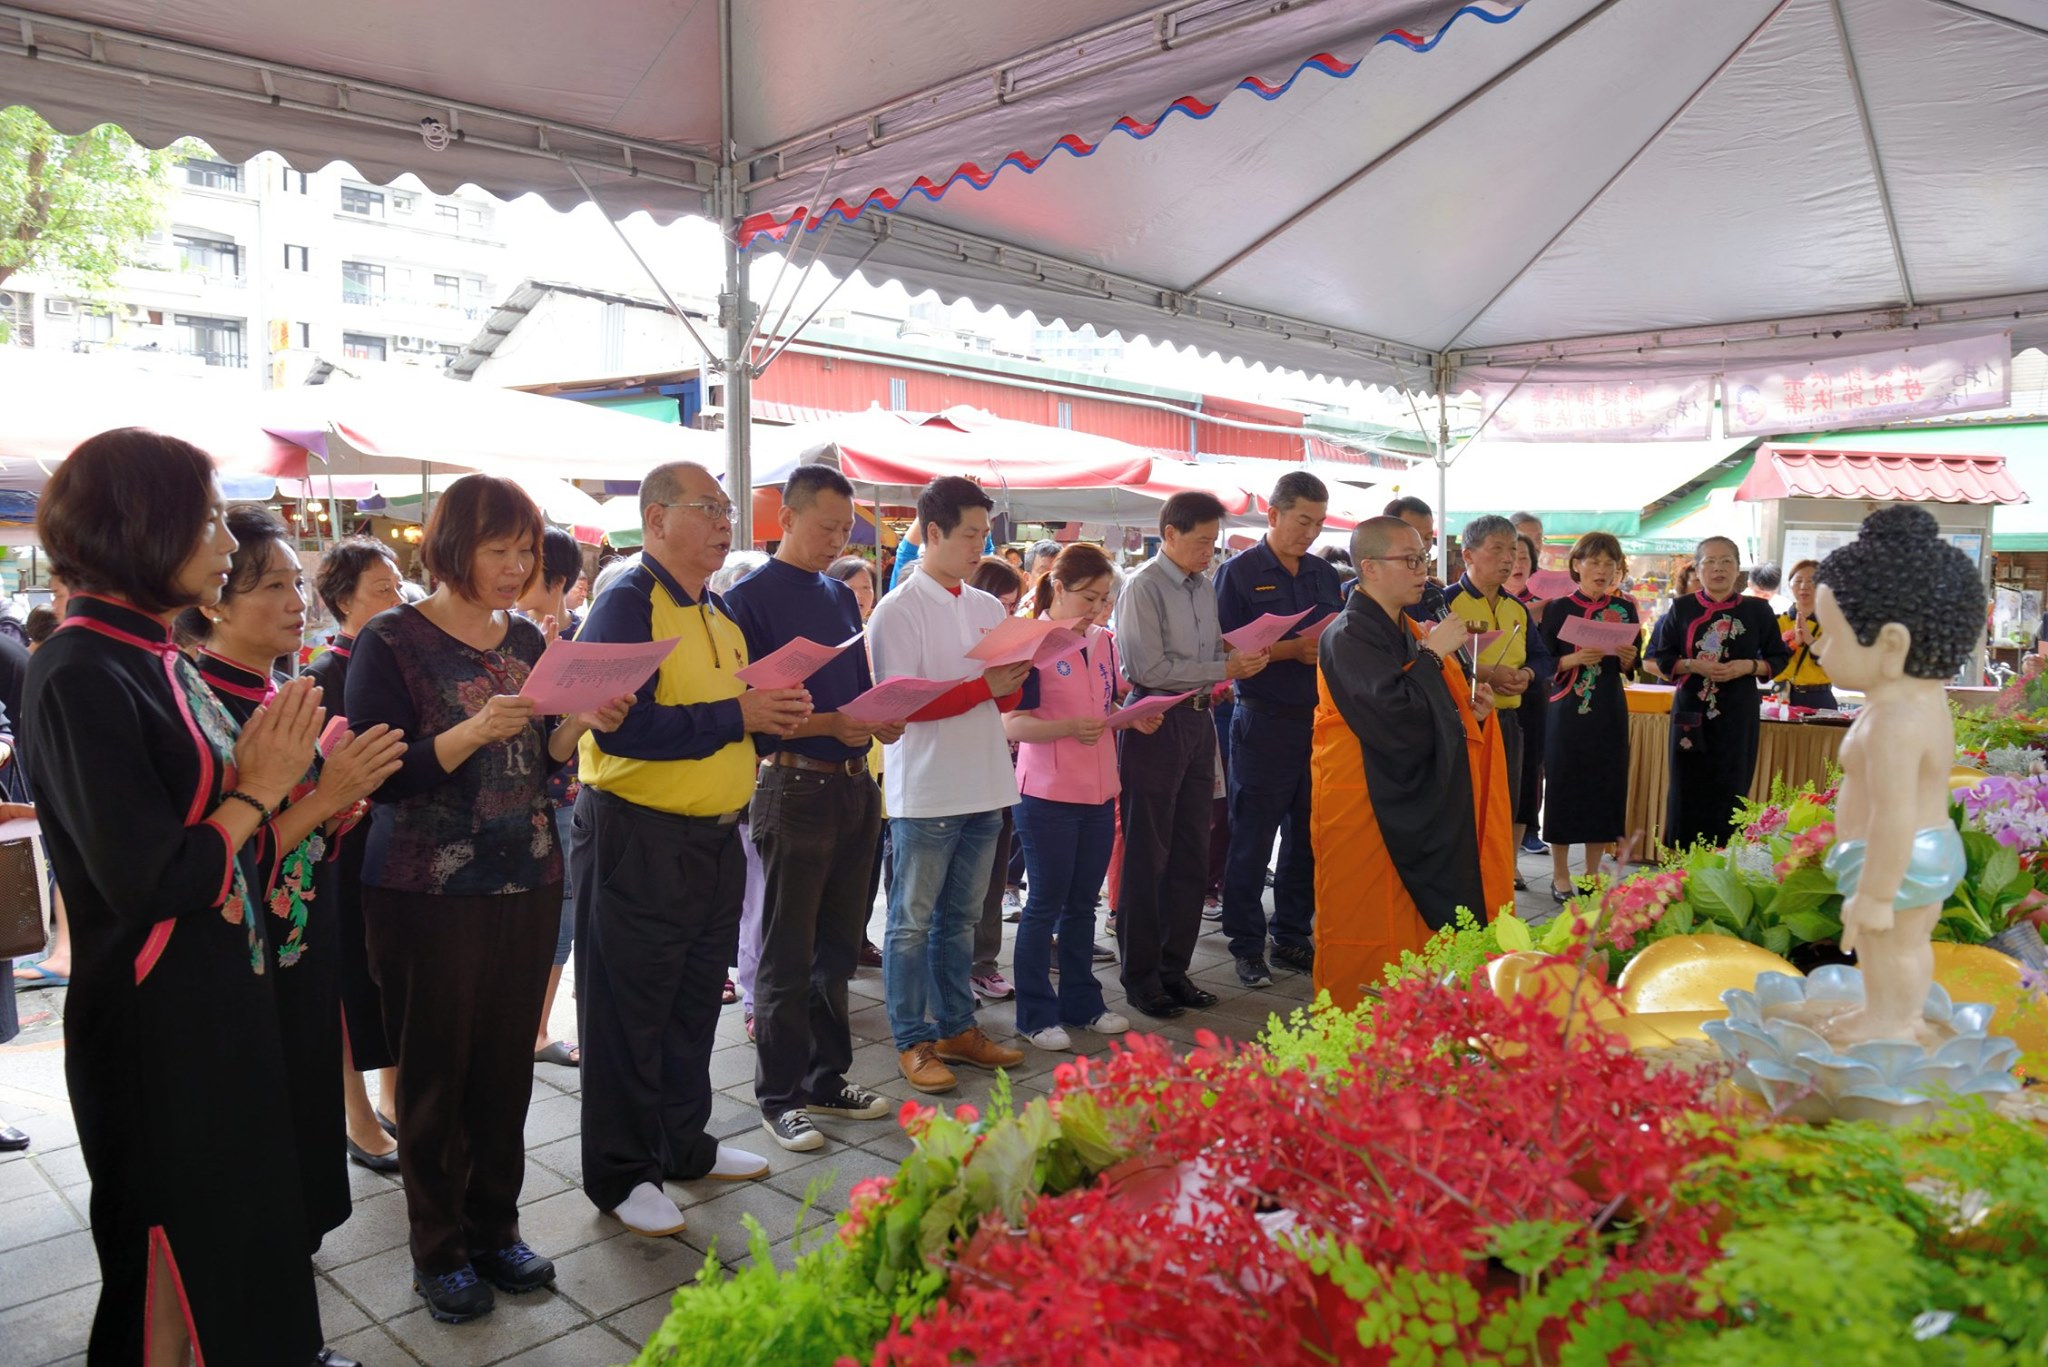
x,y
855,768
1202,701
731,818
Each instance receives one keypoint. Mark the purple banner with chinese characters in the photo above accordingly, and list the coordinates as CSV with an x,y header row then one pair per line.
x,y
1860,391
1609,410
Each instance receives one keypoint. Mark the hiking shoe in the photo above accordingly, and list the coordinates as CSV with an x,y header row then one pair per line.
x,y
921,1068
852,1103
793,1130
454,1297
992,987
1252,971
972,1046
515,1268
1300,958
1051,1038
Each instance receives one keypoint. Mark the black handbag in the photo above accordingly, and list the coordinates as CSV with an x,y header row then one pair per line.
x,y
23,900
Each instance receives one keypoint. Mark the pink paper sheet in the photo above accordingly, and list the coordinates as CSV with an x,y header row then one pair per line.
x,y
1610,637
893,700
1548,584
579,676
1314,630
1256,635
1017,639
1146,706
791,664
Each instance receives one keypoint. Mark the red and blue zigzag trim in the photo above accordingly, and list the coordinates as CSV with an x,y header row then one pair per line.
x,y
881,201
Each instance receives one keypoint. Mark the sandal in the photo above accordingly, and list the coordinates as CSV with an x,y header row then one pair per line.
x,y
560,1052
730,994
34,978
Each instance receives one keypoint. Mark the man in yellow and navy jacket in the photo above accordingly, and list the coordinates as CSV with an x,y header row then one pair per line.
x,y
656,857
1480,600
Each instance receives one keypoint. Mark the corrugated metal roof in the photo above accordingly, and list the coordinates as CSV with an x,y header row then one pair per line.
x,y
1881,476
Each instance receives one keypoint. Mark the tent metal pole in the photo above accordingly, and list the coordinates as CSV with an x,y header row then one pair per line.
x,y
1443,486
736,313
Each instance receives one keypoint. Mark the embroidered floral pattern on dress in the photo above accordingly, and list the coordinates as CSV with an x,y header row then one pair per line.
x,y
221,732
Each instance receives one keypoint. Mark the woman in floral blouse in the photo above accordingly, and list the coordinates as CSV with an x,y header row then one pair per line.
x,y
1585,754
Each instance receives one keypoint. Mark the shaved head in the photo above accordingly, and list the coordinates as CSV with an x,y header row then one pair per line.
x,y
1378,536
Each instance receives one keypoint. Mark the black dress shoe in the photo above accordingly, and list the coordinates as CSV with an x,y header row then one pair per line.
x,y
327,1357
1160,1007
386,1124
1187,994
375,1162
12,1140
515,1268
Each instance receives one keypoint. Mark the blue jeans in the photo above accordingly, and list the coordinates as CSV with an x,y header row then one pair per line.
x,y
941,868
1066,854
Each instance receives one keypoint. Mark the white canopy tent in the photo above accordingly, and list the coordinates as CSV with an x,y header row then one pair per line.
x,y
1414,192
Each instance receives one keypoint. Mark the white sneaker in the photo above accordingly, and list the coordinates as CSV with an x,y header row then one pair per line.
x,y
1013,905
648,1211
737,1165
1109,1023
1052,1037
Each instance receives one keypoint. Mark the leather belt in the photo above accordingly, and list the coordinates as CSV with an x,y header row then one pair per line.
x,y
849,768
1204,699
722,819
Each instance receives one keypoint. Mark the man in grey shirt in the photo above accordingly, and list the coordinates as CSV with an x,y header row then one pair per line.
x,y
1169,641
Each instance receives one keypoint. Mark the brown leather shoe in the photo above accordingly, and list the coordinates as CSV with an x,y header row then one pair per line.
x,y
922,1069
972,1046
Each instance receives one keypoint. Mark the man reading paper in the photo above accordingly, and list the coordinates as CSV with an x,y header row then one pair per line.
x,y
1411,808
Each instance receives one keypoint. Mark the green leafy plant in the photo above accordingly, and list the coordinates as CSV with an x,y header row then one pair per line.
x,y
77,207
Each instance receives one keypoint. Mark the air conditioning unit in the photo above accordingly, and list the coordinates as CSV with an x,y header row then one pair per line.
x,y
134,313
404,343
6,300
61,308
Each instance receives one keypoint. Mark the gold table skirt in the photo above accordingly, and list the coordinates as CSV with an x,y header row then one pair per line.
x,y
1799,753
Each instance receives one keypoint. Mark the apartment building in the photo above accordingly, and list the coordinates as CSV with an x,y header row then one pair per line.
x,y
261,271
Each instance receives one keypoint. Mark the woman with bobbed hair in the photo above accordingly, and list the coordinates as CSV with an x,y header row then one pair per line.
x,y
158,815
462,885
261,616
358,578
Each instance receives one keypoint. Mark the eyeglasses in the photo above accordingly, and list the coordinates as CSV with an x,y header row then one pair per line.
x,y
719,510
1417,563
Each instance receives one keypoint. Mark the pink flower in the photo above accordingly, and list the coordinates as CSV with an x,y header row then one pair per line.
x,y
1809,847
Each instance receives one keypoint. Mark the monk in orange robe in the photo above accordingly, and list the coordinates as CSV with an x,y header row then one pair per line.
x,y
1411,813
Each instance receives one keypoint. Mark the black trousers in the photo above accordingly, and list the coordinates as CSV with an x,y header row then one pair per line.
x,y
1169,780
657,922
461,980
816,833
1269,790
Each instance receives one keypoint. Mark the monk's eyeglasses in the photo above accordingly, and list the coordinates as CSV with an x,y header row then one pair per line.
x,y
1418,563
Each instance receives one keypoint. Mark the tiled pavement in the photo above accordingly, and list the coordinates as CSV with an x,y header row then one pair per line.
x,y
613,1288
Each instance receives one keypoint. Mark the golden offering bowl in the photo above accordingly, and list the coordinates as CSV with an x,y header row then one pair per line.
x,y
1963,776
1688,973
1551,980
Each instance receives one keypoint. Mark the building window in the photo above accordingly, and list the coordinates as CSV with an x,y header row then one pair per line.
x,y
214,257
290,181
403,202
899,395
95,324
302,336
1066,414
448,291
361,283
295,258
217,341
358,347
357,200
448,215
207,174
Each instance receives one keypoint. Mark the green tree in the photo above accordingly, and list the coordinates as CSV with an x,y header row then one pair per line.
x,y
74,208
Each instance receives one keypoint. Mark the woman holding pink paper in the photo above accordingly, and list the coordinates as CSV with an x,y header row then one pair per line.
x,y
1585,755
1066,771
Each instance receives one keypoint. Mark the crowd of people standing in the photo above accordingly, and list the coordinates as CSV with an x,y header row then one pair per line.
x,y
278,884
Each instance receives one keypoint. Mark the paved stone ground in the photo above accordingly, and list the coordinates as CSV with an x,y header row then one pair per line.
x,y
613,1288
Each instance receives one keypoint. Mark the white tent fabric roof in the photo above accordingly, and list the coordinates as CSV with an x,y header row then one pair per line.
x,y
1508,476
1602,185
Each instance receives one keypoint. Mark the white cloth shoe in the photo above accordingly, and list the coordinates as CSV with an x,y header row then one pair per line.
x,y
1109,1023
737,1165
648,1211
1052,1038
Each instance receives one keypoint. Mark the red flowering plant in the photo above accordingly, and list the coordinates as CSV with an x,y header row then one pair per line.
x,y
1472,1182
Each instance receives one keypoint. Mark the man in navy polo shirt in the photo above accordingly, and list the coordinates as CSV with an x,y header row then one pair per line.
x,y
1271,732
816,819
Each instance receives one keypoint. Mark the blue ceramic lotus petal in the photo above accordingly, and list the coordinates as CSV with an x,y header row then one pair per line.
x,y
1971,1018
1742,1005
1893,1058
1988,1082
1834,983
1835,1074
1794,1039
1940,1007
1778,990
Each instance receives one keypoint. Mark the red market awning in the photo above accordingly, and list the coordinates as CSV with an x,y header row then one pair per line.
x,y
909,450
1877,477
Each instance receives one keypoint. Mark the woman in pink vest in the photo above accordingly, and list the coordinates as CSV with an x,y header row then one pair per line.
x,y
1066,770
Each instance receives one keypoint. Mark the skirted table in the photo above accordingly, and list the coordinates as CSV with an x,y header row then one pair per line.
x,y
1798,752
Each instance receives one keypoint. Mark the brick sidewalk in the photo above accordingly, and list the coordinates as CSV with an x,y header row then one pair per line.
x,y
613,1288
